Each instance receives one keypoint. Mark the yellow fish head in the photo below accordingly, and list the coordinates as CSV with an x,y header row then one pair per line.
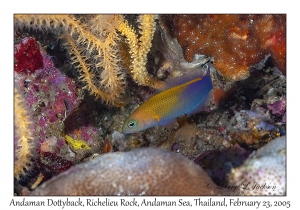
x,y
136,122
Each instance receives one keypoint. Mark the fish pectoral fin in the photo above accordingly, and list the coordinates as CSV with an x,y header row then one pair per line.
x,y
157,118
169,124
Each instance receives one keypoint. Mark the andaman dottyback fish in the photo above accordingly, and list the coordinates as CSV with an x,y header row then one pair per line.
x,y
162,108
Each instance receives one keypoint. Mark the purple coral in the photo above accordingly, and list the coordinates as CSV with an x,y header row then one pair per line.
x,y
279,108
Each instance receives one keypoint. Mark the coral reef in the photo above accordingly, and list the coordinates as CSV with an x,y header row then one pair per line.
x,y
235,41
27,56
278,107
95,39
264,173
24,140
100,42
219,163
248,127
139,48
139,172
67,130
270,97
44,98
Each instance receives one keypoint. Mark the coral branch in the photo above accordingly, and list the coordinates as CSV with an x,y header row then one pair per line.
x,y
87,74
100,43
23,137
95,40
139,47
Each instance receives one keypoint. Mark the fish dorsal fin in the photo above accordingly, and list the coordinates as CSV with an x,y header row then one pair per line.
x,y
186,77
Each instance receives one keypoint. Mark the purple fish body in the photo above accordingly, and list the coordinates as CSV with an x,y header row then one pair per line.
x,y
164,107
191,100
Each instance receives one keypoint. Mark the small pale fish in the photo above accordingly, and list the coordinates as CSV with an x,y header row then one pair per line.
x,y
161,109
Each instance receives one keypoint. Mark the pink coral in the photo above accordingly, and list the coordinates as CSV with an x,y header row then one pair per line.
x,y
278,107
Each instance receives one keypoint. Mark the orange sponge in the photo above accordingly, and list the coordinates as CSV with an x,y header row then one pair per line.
x,y
235,41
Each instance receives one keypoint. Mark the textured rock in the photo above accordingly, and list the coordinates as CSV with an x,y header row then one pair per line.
x,y
248,127
219,163
263,173
139,172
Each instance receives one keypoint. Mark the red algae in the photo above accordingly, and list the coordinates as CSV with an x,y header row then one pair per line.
x,y
235,41
27,56
108,147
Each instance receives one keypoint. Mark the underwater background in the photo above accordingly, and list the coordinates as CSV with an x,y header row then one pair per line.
x,y
77,78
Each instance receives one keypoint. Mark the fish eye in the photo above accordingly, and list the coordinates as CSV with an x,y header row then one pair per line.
x,y
132,124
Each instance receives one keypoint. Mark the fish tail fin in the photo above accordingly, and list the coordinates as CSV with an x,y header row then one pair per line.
x,y
208,68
